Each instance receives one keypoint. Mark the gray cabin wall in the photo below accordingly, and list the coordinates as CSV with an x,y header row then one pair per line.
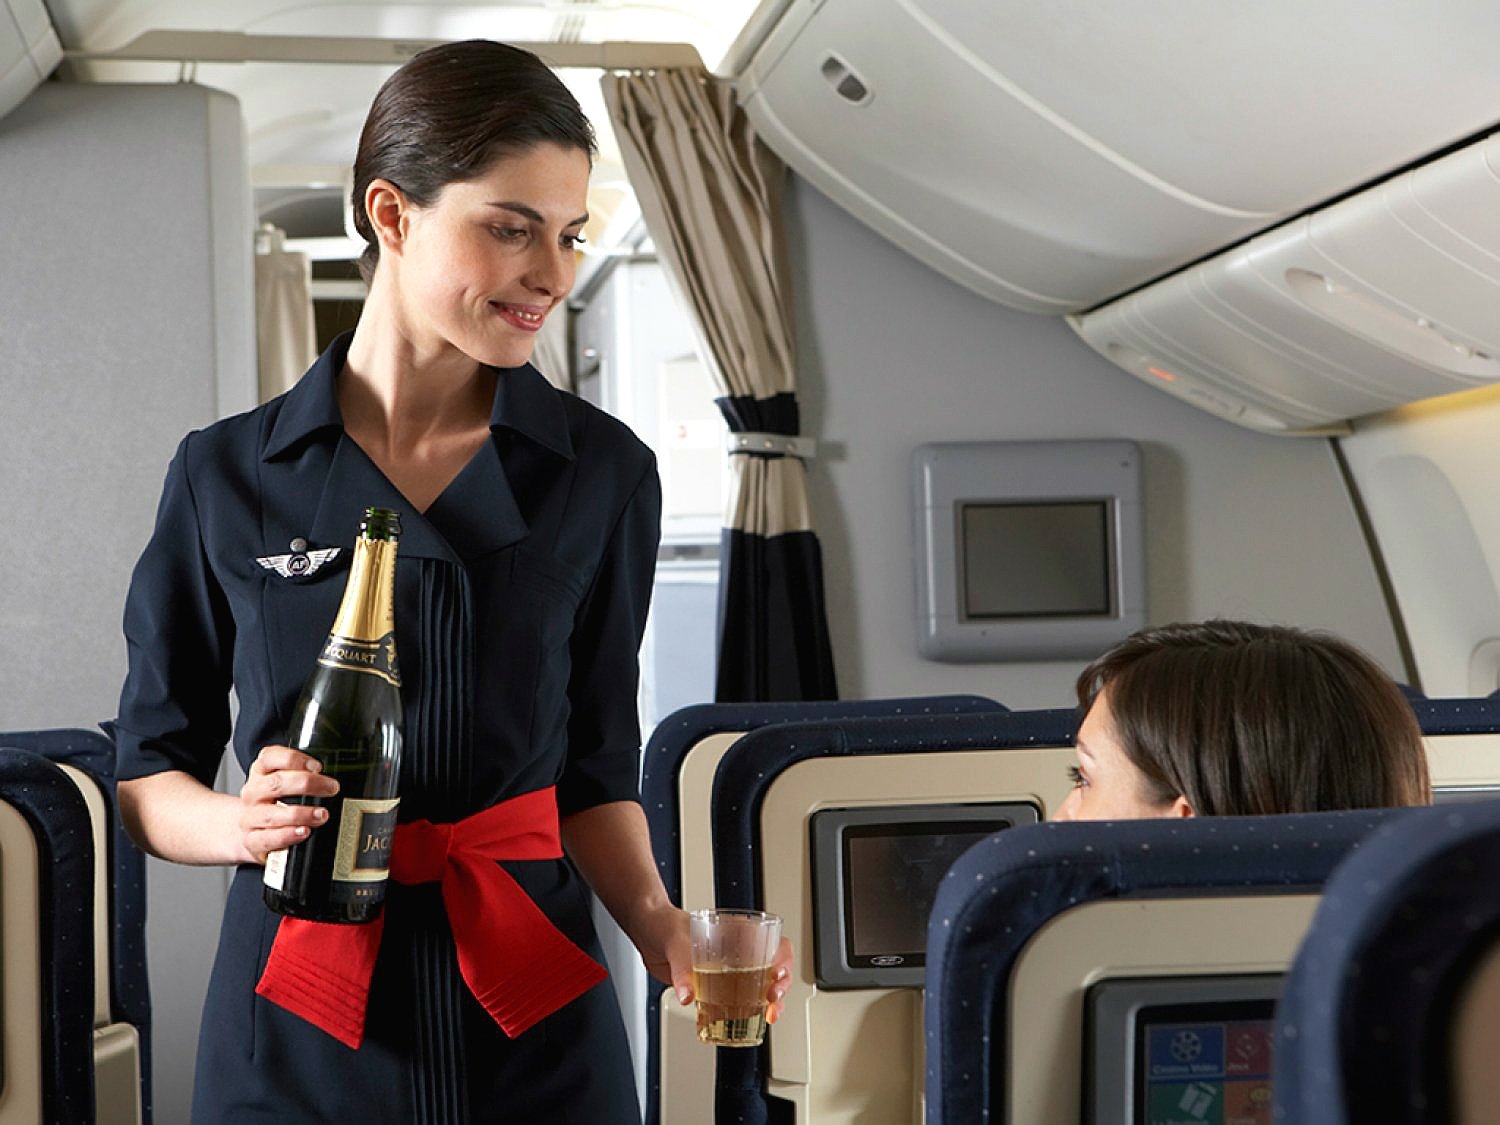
x,y
126,319
893,355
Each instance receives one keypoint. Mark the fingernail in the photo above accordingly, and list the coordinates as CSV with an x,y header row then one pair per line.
x,y
301,830
315,766
684,994
771,1015
320,814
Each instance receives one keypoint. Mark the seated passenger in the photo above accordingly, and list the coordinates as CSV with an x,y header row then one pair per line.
x,y
1230,718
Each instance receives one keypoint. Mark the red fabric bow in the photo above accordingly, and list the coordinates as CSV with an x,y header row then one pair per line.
x,y
518,965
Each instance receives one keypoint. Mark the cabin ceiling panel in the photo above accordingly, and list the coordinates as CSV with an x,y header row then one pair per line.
x,y
303,120
1261,107
710,24
1052,154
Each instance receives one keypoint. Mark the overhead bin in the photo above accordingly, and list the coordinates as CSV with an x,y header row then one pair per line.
x,y
29,50
1386,298
1053,154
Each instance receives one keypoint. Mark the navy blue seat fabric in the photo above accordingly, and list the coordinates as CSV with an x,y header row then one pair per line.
x,y
130,995
748,770
59,821
1005,888
1362,1028
662,761
1458,716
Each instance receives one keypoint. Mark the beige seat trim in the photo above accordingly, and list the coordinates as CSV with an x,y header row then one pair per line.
x,y
20,960
1125,938
99,824
117,1075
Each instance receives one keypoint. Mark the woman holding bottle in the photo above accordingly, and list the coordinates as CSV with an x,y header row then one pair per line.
x,y
529,525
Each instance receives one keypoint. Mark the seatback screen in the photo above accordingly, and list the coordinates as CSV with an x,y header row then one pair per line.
x,y
875,874
1204,1064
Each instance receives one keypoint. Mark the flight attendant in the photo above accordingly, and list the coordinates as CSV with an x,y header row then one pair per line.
x,y
529,531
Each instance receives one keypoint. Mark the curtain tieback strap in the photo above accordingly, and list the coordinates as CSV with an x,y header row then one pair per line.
x,y
785,445
519,966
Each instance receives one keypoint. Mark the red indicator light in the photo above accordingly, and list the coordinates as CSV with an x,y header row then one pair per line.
x,y
1160,374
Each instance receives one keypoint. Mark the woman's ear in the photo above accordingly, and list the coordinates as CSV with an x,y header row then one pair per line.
x,y
1180,807
387,208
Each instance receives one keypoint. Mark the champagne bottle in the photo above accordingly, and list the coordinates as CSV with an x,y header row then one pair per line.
x,y
349,718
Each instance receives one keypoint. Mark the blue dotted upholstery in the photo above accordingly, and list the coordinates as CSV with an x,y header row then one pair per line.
x,y
662,761
1458,716
59,822
1005,888
1362,1028
130,996
747,771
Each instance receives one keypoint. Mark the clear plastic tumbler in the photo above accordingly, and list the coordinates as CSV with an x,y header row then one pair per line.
x,y
733,954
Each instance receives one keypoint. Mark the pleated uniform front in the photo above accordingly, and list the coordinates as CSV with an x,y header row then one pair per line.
x,y
521,597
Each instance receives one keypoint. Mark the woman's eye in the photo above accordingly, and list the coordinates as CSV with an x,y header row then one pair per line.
x,y
1075,775
511,234
573,241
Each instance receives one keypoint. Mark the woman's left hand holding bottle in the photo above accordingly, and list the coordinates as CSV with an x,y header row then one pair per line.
x,y
267,823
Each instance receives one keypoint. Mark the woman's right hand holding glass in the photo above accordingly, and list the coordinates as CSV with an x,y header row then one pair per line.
x,y
267,822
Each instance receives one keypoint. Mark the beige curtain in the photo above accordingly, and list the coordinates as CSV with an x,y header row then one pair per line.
x,y
286,341
711,195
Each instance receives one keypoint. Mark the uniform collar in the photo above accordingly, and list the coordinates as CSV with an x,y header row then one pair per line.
x,y
311,405
524,402
476,515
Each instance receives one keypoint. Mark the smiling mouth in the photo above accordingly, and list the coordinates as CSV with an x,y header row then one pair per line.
x,y
520,316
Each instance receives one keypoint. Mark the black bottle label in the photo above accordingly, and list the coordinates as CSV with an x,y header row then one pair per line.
x,y
375,657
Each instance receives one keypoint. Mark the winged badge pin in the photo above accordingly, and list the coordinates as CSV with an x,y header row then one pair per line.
x,y
298,564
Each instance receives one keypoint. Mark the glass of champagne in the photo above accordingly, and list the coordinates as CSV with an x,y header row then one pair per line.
x,y
733,953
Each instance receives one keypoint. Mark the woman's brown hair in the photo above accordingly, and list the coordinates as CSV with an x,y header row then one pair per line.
x,y
449,113
1252,719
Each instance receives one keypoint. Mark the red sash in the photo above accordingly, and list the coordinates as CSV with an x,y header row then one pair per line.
x,y
517,964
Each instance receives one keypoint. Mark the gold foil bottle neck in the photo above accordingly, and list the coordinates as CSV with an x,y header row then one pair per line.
x,y
367,612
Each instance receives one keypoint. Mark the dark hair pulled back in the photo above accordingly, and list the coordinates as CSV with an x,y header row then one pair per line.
x,y
449,113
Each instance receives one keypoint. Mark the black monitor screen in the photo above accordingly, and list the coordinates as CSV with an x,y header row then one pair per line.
x,y
875,874
893,873
1034,560
1206,1062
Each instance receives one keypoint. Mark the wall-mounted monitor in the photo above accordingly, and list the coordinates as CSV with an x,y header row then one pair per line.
x,y
1028,550
875,873
1180,1049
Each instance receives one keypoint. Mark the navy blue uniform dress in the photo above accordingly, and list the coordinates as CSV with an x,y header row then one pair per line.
x,y
521,597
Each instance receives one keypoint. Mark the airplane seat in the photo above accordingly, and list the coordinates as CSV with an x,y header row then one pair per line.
x,y
898,757
122,1003
1453,716
46,957
1391,1011
708,727
676,736
1462,736
753,764
1028,923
